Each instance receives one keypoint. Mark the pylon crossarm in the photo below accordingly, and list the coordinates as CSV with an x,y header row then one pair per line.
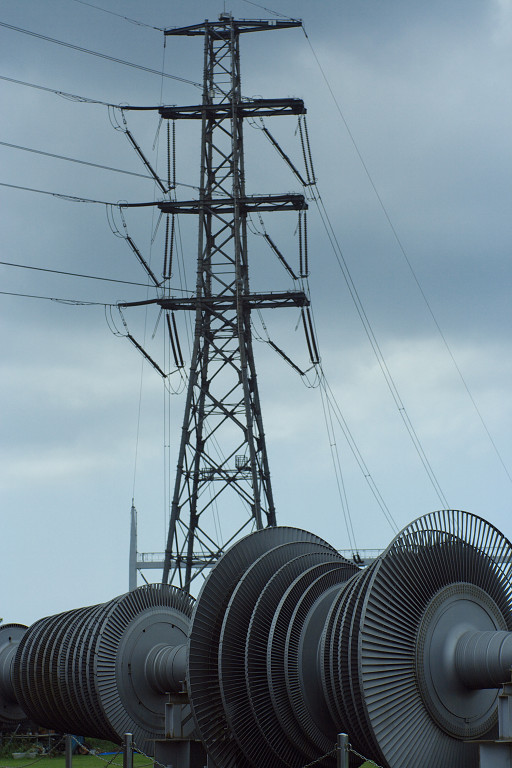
x,y
271,300
247,108
268,300
221,205
224,27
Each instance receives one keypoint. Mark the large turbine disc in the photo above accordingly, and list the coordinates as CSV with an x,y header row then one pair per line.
x,y
10,710
132,626
303,659
235,697
65,716
445,564
284,732
258,744
205,636
80,681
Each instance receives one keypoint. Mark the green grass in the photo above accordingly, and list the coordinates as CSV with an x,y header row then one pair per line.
x,y
88,761
57,758
79,761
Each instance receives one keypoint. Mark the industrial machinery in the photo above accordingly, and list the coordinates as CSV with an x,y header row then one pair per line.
x,y
97,671
287,645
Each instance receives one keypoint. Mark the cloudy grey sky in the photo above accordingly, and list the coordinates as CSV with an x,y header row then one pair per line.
x,y
409,116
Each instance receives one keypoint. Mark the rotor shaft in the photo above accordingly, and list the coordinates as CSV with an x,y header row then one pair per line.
x,y
484,659
166,667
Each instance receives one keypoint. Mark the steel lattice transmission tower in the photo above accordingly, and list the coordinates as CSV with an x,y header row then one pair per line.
x,y
222,450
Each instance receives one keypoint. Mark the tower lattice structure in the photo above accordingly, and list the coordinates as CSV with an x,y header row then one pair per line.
x,y
222,450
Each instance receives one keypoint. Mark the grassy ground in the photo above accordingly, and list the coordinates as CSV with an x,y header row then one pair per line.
x,y
57,759
79,761
87,761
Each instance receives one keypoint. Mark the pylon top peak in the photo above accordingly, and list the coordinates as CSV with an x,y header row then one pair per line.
x,y
226,21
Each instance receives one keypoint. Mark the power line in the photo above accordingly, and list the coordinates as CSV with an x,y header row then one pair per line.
x,y
87,162
100,55
340,258
269,10
120,16
64,94
407,260
338,472
75,160
338,253
71,274
74,198
63,196
74,302
338,415
89,277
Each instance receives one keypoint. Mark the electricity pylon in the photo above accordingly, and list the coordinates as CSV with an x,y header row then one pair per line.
x,y
222,451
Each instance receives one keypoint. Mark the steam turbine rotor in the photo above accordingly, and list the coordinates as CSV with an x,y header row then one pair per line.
x,y
223,708
412,671
407,656
287,645
103,671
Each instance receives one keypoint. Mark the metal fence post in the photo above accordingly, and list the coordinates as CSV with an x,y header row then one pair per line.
x,y
68,740
128,750
343,753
